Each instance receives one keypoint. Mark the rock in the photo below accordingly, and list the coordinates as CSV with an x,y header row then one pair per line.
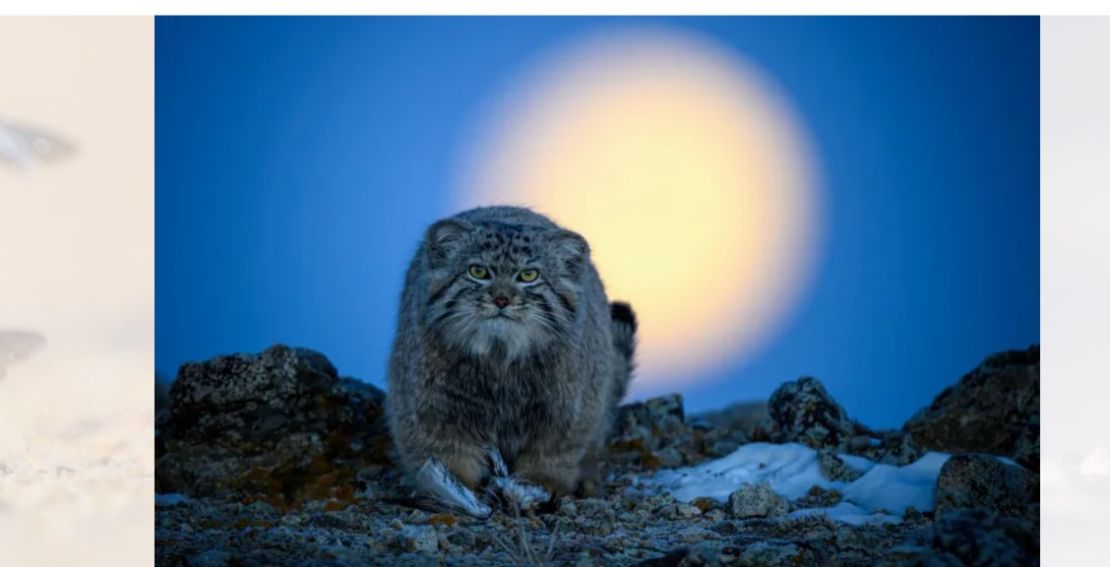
x,y
161,393
983,481
656,433
818,497
805,413
652,422
993,409
771,553
705,504
280,426
721,446
421,539
756,501
971,537
652,433
252,439
894,448
834,468
211,558
718,441
669,457
687,511
696,535
684,557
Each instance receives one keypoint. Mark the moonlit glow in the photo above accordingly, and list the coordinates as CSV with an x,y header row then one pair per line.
x,y
685,170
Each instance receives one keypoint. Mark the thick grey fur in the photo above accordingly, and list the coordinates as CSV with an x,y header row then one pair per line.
x,y
539,380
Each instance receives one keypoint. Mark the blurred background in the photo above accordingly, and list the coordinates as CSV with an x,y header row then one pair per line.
x,y
76,266
850,198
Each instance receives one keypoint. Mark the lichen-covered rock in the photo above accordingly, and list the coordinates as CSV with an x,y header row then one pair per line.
x,y
652,422
834,468
654,434
818,497
756,501
993,409
983,481
805,413
892,448
281,426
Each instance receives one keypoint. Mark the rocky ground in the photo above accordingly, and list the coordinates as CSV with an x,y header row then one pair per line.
x,y
274,459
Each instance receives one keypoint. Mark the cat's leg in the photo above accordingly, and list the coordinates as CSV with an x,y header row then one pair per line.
x,y
509,489
450,472
465,458
556,468
467,462
433,424
589,483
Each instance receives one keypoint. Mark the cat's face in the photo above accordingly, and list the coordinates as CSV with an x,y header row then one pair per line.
x,y
500,289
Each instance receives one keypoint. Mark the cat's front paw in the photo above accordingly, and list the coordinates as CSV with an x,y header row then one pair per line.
x,y
511,492
517,495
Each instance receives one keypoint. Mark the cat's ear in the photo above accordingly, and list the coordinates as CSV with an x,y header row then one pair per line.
x,y
445,238
571,250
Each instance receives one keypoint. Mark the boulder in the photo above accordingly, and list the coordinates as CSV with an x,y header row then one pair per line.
x,y
756,501
280,426
652,433
805,413
654,422
834,468
993,409
984,481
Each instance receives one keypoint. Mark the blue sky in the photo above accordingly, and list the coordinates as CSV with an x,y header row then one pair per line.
x,y
299,159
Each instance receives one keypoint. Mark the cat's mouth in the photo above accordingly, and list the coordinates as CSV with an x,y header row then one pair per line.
x,y
502,315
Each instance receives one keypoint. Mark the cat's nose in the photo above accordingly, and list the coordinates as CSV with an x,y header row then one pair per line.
x,y
501,301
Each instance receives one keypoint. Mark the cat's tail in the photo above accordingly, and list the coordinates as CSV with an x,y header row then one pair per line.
x,y
624,339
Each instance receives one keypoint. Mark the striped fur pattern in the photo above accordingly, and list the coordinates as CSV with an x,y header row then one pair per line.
x,y
488,357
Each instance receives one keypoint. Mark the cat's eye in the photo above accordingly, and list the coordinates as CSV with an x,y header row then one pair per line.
x,y
478,272
527,276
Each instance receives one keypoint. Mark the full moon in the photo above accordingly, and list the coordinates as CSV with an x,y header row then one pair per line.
x,y
684,168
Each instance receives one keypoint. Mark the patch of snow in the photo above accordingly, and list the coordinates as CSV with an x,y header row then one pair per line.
x,y
849,514
856,463
891,488
791,469
880,495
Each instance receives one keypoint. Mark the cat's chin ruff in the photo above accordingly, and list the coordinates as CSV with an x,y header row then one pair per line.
x,y
500,338
495,338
